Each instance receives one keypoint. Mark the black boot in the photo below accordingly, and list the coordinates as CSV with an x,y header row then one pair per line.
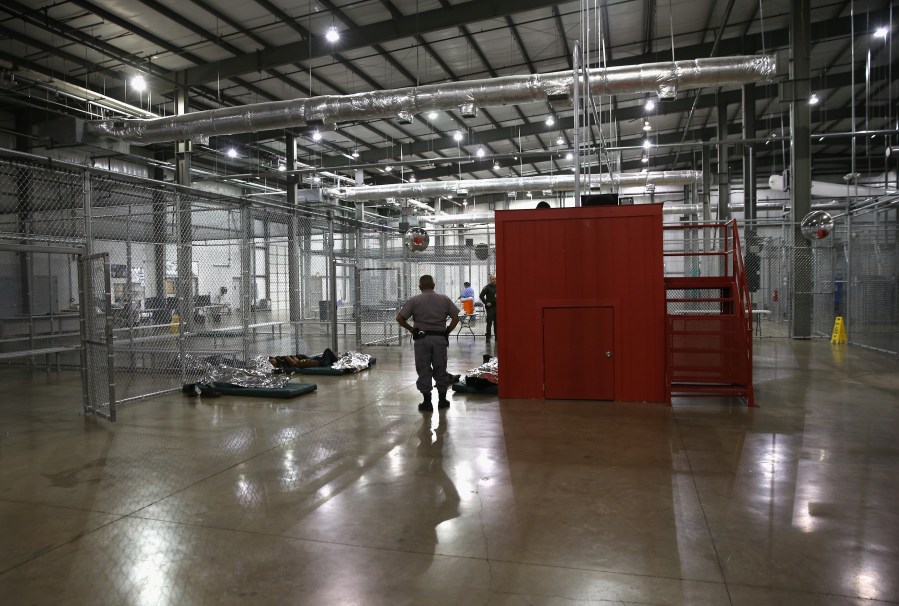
x,y
426,406
442,402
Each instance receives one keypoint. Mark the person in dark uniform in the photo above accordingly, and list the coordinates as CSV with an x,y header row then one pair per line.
x,y
431,336
488,298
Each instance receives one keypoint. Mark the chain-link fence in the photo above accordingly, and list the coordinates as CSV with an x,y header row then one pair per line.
x,y
199,276
209,276
804,285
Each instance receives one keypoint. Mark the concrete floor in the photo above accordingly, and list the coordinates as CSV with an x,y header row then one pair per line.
x,y
350,496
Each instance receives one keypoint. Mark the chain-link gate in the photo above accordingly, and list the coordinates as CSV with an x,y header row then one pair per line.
x,y
98,354
377,305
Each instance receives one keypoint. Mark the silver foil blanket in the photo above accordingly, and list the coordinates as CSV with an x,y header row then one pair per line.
x,y
352,360
488,370
257,374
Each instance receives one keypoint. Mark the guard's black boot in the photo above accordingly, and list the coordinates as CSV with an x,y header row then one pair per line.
x,y
426,406
442,402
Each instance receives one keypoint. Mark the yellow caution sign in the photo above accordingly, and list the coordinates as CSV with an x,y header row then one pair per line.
x,y
839,331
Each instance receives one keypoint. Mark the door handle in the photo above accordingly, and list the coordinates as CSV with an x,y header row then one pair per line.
x,y
608,354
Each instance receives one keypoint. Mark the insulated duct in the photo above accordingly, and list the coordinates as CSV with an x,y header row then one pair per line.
x,y
832,205
823,189
468,219
664,78
474,187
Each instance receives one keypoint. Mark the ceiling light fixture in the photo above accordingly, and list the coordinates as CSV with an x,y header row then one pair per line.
x,y
550,121
481,152
282,168
496,166
813,100
647,126
881,32
138,83
650,105
560,140
317,179
646,144
457,136
332,35
316,136
232,153
355,153
432,116
388,168
412,179
644,159
569,156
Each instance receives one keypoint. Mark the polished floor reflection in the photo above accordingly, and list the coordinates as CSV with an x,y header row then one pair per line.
x,y
350,496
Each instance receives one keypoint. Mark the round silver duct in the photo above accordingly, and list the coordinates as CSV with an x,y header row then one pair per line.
x,y
664,78
474,187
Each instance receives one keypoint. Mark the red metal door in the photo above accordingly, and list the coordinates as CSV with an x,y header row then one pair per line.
x,y
578,353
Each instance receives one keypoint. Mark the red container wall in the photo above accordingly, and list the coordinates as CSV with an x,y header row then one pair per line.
x,y
590,256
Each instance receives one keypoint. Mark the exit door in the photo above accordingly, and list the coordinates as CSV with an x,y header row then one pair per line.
x,y
578,353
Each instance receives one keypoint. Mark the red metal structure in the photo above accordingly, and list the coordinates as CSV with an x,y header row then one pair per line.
x,y
581,303
708,315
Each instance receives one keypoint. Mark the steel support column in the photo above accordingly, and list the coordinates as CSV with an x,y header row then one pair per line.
x,y
723,173
294,248
184,289
800,167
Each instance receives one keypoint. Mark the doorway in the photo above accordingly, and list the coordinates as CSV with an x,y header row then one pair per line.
x,y
579,353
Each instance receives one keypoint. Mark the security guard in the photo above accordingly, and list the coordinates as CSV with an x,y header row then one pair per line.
x,y
488,298
431,336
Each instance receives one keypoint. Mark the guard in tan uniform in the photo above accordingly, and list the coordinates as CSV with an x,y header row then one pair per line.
x,y
429,311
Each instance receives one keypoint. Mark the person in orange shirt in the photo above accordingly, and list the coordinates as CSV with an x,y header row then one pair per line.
x,y
467,298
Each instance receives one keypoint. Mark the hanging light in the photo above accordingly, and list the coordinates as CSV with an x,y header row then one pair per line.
x,y
560,140
644,158
388,168
138,83
496,166
569,156
282,168
332,35
646,144
550,120
481,152
232,153
813,100
647,126
457,136
650,105
316,136
432,116
881,32
355,153
412,179
316,179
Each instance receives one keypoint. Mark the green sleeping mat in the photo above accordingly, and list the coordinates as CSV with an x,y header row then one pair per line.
x,y
291,390
488,391
327,370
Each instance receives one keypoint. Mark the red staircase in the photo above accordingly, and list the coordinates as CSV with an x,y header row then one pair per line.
x,y
708,323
